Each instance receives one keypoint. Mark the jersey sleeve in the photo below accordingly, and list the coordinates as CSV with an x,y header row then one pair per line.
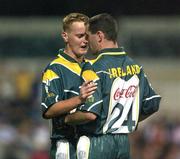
x,y
94,102
150,99
52,88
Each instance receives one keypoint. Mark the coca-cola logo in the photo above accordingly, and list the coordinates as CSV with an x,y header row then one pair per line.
x,y
125,93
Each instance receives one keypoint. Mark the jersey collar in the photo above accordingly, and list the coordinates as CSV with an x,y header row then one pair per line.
x,y
110,51
67,57
113,50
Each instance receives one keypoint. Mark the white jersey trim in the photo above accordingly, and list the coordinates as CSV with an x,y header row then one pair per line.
x,y
74,92
43,104
94,105
103,72
155,96
56,99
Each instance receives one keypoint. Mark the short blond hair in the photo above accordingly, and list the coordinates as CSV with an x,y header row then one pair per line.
x,y
74,17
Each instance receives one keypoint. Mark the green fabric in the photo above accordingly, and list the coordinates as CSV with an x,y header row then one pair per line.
x,y
61,81
125,91
126,95
110,147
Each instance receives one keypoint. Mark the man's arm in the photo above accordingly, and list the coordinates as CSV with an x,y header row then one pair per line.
x,y
151,100
63,107
67,105
88,112
79,117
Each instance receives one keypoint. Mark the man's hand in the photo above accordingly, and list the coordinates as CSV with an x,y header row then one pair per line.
x,y
87,89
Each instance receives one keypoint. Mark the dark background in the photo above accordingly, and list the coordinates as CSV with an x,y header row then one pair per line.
x,y
138,45
89,7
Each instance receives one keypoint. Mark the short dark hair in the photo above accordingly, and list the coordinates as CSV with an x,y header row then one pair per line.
x,y
106,23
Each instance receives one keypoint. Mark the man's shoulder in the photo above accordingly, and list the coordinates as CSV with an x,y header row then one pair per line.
x,y
52,63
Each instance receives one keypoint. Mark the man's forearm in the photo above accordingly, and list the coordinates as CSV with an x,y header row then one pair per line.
x,y
63,107
79,117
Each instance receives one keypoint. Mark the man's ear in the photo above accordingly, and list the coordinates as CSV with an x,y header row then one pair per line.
x,y
64,36
100,35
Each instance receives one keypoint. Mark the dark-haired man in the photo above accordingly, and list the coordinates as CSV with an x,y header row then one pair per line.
x,y
127,95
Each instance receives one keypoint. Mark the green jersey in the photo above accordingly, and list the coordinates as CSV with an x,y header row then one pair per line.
x,y
61,81
126,93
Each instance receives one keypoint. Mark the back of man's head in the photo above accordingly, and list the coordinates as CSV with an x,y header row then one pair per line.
x,y
105,23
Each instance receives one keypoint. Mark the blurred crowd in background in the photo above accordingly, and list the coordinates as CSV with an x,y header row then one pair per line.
x,y
23,133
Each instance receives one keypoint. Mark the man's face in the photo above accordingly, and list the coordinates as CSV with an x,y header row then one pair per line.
x,y
93,42
77,39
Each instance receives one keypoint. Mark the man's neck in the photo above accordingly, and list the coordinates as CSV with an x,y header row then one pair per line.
x,y
109,44
71,54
